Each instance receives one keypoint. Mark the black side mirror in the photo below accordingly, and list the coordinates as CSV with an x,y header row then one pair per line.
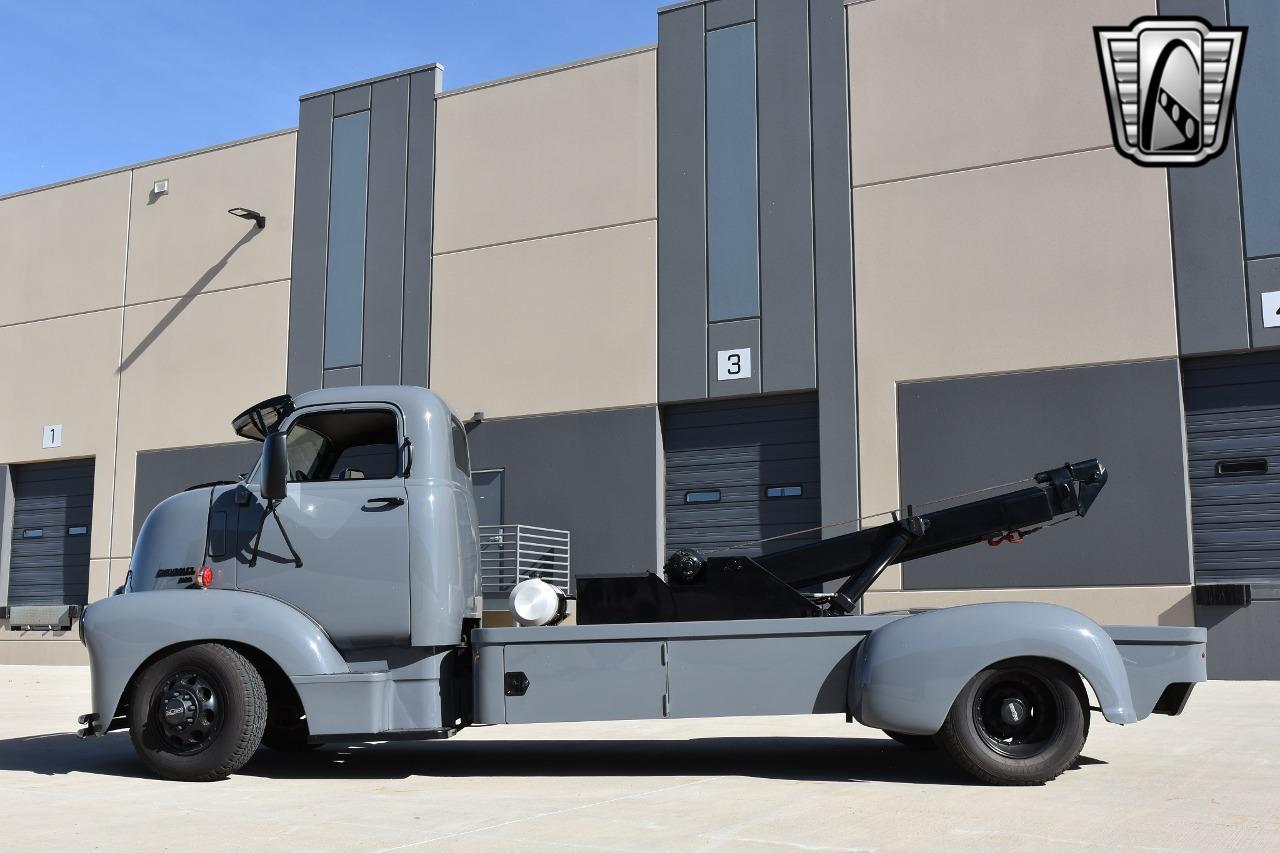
x,y
275,466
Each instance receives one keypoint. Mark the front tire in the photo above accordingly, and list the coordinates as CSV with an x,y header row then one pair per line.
x,y
198,714
1020,722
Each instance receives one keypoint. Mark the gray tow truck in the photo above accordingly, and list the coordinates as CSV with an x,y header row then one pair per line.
x,y
333,594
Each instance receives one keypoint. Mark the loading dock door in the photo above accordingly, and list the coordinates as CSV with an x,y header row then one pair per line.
x,y
1233,450
741,470
52,513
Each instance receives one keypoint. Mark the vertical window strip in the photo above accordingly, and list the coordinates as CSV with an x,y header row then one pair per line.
x,y
733,192
344,274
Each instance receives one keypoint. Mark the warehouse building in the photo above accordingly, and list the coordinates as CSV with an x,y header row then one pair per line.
x,y
800,262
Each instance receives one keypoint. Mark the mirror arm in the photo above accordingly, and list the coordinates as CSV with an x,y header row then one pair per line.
x,y
408,452
257,538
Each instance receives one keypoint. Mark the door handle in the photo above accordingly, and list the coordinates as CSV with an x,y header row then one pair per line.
x,y
387,502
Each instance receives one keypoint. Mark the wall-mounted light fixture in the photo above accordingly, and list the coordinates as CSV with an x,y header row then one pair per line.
x,y
160,187
246,213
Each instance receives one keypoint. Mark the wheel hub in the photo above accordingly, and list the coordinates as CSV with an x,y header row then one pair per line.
x,y
1016,714
187,710
1013,712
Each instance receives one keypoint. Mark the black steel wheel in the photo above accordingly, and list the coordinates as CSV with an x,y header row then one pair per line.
x,y
1020,722
197,714
920,742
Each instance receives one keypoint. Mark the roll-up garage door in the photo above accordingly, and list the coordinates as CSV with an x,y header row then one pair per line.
x,y
52,513
1233,449
740,471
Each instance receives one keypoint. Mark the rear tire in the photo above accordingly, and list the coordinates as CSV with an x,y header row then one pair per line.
x,y
1020,722
198,714
919,742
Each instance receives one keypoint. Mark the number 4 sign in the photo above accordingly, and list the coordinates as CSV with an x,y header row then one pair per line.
x,y
733,364
1271,309
52,436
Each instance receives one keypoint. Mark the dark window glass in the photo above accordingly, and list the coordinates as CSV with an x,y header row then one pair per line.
x,y
1258,122
344,288
708,496
733,234
784,491
33,533
461,457
77,531
343,445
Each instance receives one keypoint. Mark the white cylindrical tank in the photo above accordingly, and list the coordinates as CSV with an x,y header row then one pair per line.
x,y
536,602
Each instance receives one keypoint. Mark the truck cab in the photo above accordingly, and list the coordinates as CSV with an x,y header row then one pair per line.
x,y
374,538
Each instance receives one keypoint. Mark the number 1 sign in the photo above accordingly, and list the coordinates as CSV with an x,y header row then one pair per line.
x,y
52,436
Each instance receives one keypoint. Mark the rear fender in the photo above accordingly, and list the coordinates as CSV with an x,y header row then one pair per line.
x,y
124,631
909,672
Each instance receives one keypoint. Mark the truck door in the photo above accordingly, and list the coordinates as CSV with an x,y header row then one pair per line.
x,y
347,517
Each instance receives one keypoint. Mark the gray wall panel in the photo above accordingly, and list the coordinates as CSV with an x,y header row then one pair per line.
x,y
734,335
833,266
310,230
682,247
384,240
340,377
1243,640
725,13
786,198
1204,206
590,473
419,208
6,531
957,435
350,100
161,473
1263,277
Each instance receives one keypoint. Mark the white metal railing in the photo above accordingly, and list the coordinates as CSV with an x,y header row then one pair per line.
x,y
510,553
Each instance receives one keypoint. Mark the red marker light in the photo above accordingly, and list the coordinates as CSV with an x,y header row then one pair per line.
x,y
203,577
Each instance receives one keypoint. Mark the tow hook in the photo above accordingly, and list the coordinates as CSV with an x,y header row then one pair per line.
x,y
86,720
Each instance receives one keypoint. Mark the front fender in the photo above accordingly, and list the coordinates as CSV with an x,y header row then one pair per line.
x,y
909,672
123,631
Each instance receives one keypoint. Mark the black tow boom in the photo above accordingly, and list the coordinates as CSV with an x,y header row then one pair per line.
x,y
699,588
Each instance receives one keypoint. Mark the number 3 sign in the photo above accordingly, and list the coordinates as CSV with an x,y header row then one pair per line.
x,y
733,364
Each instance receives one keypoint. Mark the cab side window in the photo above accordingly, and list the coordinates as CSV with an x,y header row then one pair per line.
x,y
461,457
344,445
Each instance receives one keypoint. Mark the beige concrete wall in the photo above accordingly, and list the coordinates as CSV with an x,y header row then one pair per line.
x,y
548,154
189,366
1039,264
47,648
63,371
204,335
1110,605
62,250
551,325
940,86
185,242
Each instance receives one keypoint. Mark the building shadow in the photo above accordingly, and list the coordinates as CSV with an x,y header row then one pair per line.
x,y
183,301
821,759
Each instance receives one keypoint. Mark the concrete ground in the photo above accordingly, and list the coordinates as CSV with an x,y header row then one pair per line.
x,y
1208,780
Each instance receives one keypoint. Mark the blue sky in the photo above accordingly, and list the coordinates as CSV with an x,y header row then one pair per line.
x,y
96,85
